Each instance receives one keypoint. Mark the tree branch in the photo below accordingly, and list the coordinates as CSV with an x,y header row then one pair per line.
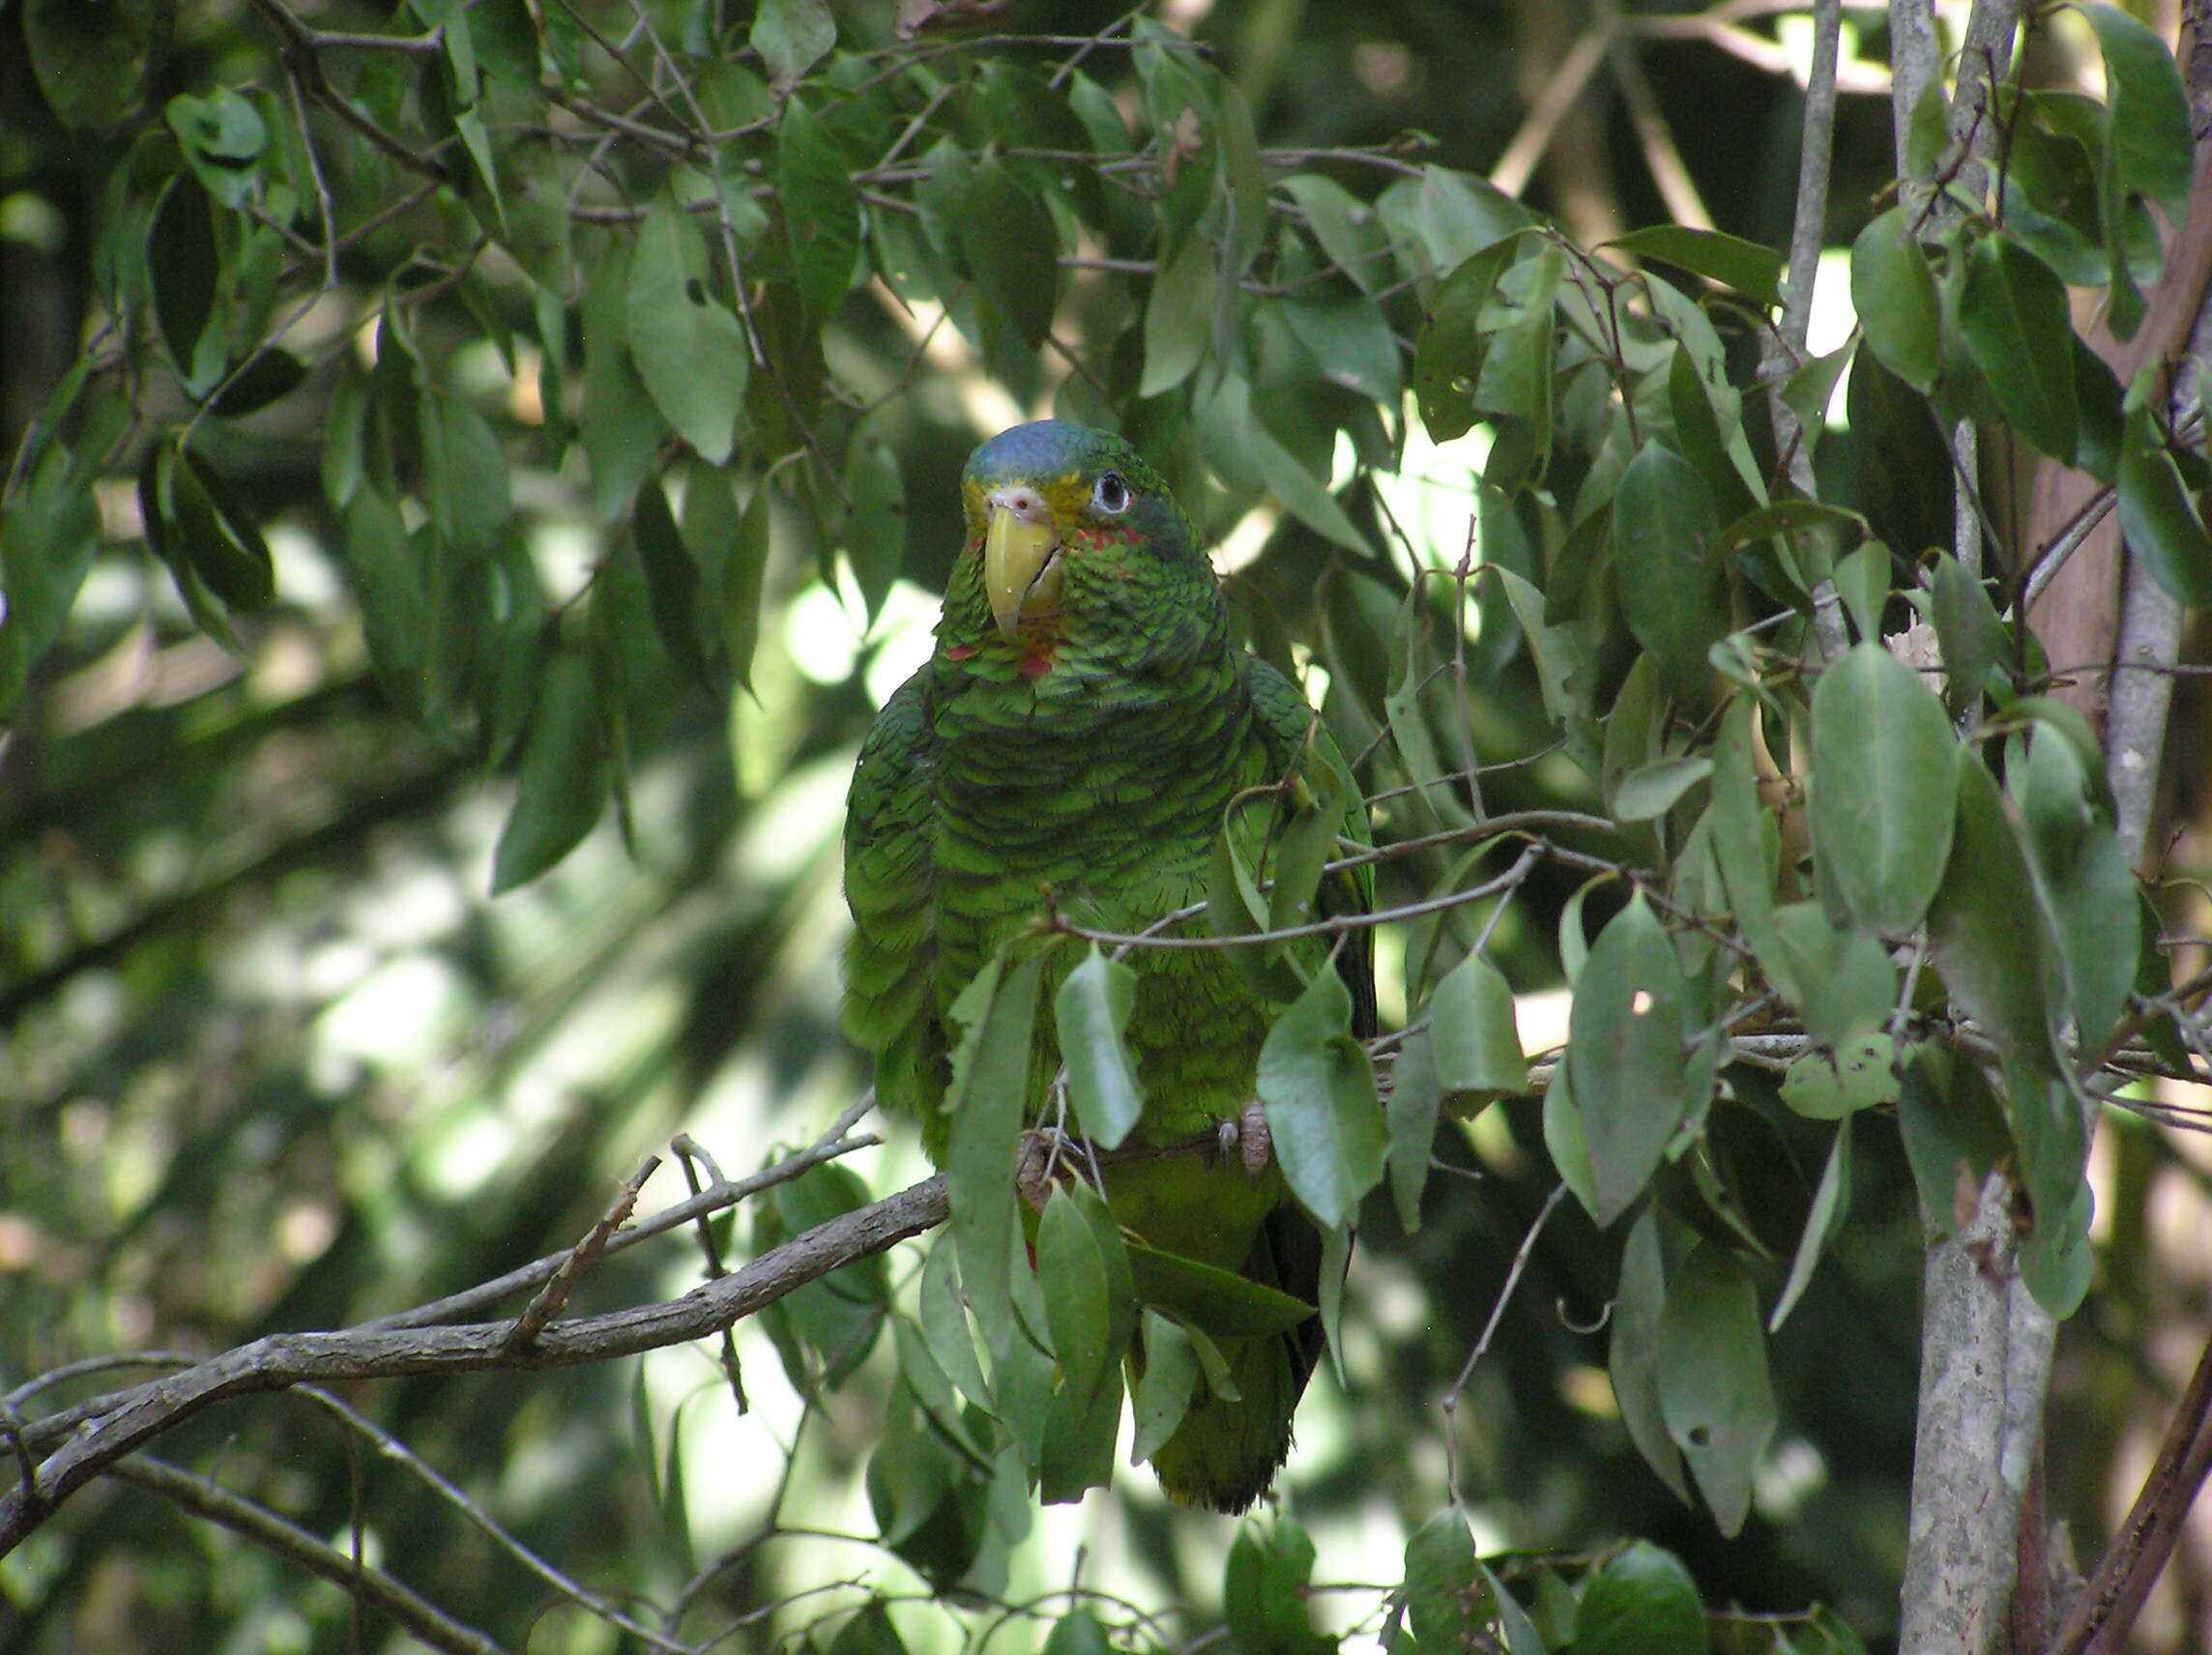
x,y
137,1417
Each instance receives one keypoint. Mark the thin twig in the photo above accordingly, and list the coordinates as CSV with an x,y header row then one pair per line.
x,y
1513,1273
554,1294
280,1536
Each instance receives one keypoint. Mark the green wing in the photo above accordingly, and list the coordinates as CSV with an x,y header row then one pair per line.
x,y
890,962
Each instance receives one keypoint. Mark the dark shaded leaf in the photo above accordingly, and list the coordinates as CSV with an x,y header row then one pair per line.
x,y
562,784
1714,1389
1731,261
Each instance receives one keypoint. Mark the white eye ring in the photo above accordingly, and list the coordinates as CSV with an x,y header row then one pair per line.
x,y
1112,494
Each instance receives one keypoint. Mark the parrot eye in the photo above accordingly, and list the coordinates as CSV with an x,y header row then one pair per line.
x,y
1112,494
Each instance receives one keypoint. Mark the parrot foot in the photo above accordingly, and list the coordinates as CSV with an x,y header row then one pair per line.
x,y
1247,1137
1044,1151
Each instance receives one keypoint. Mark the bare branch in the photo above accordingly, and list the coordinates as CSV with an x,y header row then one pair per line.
x,y
137,1416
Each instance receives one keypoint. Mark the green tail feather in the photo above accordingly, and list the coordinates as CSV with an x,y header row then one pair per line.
x,y
1225,1454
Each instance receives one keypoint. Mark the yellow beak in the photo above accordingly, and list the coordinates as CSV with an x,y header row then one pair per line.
x,y
1020,572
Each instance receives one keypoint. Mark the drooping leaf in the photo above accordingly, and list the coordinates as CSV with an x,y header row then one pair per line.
x,y
1893,291
1012,249
2014,318
820,207
688,346
1092,1011
1987,940
1714,1388
1627,1054
1416,1099
1322,1112
1170,1381
562,784
1632,1357
1831,1203
990,1083
1882,805
1472,1034
1673,592
2158,515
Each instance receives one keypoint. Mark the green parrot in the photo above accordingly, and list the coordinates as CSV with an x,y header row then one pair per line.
x,y
1076,739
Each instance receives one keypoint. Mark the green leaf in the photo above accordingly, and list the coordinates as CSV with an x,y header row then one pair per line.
x,y
1218,1303
791,36
1626,1050
825,1329
1091,1011
1442,1599
1841,979
1563,1139
1632,1357
874,530
394,599
619,424
1894,293
670,579
1831,1203
1987,941
1264,1591
2158,516
821,210
464,474
1323,1114
184,266
1730,261
1829,1085
985,1101
1476,1041
1350,338
1714,1389
688,346
222,137
90,61
1071,1269
2013,317
1164,1392
1673,592
943,1319
1648,793
1348,229
1643,1602
1448,354
1229,418
562,784
742,580
1012,249
1178,314
1740,839
212,534
2149,139
2084,880
1416,1098
1077,1632
1969,630
1881,804
870,1632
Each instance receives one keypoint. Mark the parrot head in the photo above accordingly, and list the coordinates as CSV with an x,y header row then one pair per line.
x,y
1067,526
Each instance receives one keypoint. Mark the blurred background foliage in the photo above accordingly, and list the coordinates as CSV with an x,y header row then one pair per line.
x,y
274,1055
